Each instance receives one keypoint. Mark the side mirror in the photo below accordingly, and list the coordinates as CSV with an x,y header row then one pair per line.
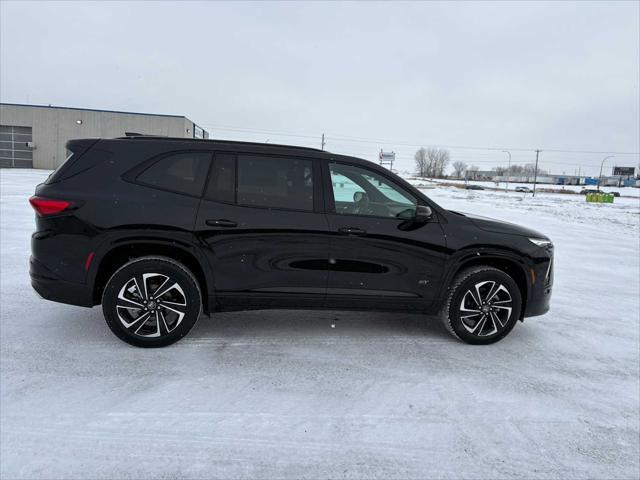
x,y
423,214
415,218
359,197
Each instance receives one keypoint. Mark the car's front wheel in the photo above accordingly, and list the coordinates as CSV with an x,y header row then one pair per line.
x,y
151,301
482,306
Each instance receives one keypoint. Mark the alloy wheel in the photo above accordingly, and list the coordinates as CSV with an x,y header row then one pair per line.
x,y
151,305
486,308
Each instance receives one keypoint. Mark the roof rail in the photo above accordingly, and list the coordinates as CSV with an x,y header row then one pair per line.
x,y
133,136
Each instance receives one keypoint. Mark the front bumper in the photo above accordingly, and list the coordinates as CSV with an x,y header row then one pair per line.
x,y
539,303
49,287
539,298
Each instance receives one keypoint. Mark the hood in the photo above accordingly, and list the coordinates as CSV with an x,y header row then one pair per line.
x,y
497,226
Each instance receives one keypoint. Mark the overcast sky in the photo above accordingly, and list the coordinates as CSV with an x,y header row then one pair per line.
x,y
550,76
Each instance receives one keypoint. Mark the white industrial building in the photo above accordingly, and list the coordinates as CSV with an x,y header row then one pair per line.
x,y
34,136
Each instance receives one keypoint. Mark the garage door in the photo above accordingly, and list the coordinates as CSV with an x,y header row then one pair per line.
x,y
14,151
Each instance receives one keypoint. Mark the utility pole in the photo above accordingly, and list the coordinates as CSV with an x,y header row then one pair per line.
x,y
535,174
323,141
506,188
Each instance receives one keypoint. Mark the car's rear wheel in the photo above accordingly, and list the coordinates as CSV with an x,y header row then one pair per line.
x,y
151,302
482,306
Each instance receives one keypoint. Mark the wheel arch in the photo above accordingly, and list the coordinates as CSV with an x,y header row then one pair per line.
x,y
119,254
513,267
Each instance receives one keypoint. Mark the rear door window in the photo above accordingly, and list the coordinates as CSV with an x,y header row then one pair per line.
x,y
275,182
183,172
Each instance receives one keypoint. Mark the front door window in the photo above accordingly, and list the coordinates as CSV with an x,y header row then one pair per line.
x,y
359,191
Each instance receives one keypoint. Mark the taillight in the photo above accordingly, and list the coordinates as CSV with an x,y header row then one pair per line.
x,y
46,206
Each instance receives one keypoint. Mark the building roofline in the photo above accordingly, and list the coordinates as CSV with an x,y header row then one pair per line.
x,y
91,110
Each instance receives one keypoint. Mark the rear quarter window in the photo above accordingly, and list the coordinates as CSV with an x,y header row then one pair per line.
x,y
56,175
183,172
81,156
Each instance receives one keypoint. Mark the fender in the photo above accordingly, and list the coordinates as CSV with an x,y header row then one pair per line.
x,y
185,242
480,254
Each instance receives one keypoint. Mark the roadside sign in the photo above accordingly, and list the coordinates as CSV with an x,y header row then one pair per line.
x,y
623,171
387,156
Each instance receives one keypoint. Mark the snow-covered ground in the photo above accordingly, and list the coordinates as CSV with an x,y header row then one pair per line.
x,y
283,394
541,187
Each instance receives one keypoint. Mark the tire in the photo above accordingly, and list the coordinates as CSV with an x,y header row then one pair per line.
x,y
136,315
489,291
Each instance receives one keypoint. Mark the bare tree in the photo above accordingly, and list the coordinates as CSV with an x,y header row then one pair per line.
x,y
421,162
431,162
438,161
529,170
442,162
459,167
516,170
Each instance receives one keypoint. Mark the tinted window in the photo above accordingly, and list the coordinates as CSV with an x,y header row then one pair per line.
x,y
222,179
359,191
343,188
180,172
275,182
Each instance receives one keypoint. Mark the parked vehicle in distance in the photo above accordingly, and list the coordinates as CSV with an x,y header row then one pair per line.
x,y
159,230
585,191
523,189
473,187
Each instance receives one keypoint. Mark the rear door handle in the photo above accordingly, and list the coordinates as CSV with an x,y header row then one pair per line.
x,y
221,222
352,231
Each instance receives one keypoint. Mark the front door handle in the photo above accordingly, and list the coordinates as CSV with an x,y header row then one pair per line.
x,y
221,222
352,231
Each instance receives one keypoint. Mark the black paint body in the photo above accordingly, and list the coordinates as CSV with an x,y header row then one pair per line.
x,y
265,257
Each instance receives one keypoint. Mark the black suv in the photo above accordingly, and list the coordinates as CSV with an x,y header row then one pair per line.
x,y
158,230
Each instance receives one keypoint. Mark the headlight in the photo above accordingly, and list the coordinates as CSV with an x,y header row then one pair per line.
x,y
541,242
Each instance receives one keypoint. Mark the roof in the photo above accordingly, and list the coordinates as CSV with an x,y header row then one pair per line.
x,y
91,110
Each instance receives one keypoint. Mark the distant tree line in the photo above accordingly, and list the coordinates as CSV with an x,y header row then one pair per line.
x,y
527,170
433,163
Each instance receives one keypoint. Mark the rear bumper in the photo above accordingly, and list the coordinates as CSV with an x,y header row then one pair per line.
x,y
49,287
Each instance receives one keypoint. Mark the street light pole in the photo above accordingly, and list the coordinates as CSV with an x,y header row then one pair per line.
x,y
506,189
602,165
